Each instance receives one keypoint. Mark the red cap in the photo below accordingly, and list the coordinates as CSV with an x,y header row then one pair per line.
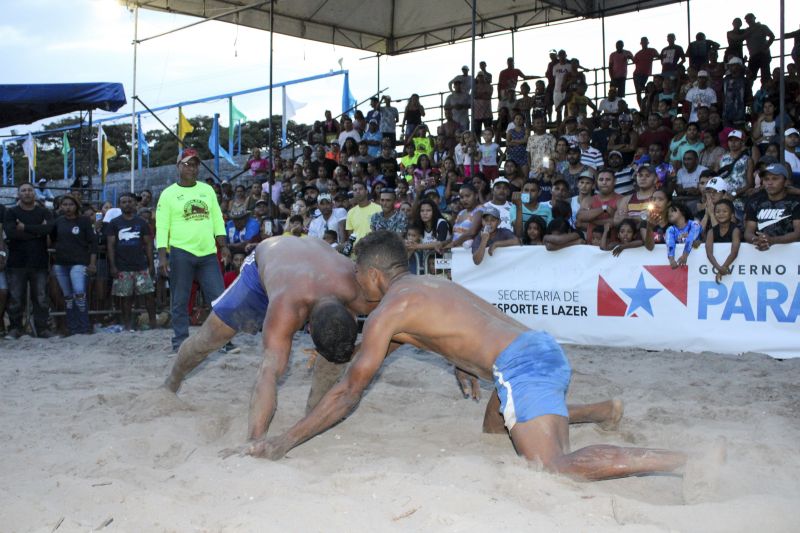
x,y
187,154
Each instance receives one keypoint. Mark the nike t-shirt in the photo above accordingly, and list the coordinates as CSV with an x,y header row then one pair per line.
x,y
774,217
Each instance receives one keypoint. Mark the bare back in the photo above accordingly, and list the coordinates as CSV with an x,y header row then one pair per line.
x,y
300,271
441,316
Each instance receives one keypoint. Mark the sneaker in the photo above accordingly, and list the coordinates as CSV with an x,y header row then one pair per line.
x,y
230,348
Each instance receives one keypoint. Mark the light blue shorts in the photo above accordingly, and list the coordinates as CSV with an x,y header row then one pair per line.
x,y
532,377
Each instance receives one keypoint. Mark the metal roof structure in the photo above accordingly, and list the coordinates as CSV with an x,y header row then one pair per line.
x,y
394,26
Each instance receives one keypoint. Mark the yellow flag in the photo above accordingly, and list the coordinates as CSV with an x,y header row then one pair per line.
x,y
184,126
108,152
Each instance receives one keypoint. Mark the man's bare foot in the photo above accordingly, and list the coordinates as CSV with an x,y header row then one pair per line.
x,y
617,410
701,474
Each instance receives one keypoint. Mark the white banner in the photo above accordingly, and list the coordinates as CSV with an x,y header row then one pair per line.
x,y
584,295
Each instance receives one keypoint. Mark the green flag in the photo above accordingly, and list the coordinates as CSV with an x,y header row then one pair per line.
x,y
234,115
65,148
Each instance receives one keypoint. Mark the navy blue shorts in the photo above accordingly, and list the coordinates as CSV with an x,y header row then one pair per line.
x,y
243,305
531,377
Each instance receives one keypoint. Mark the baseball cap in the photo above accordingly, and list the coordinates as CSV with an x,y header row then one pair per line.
x,y
262,202
614,152
430,191
791,131
736,133
586,174
735,61
625,118
239,213
718,184
491,211
187,154
372,121
111,214
777,168
324,197
42,180
501,179
702,74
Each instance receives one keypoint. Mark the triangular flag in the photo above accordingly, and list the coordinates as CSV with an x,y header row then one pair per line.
x,y
184,126
29,147
213,142
235,114
290,108
348,101
105,152
65,148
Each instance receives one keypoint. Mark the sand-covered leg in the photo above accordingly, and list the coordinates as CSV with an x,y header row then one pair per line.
x,y
324,376
213,334
605,414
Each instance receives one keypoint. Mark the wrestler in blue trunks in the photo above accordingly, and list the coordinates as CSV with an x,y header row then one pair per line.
x,y
531,377
243,305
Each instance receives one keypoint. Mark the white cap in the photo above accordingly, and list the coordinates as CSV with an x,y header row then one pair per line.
x,y
735,61
791,131
111,214
718,184
702,74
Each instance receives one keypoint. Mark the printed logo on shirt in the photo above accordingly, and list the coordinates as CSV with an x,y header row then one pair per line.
x,y
638,292
76,230
195,210
129,234
768,217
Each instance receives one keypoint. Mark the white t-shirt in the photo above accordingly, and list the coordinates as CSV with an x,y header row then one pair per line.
x,y
353,134
793,160
689,179
489,154
505,214
559,73
697,96
319,225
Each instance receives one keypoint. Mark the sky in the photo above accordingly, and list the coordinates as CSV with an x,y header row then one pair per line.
x,y
52,41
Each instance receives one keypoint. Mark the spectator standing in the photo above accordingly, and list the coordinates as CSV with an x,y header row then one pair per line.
x,y
643,61
389,118
561,70
413,115
189,224
27,227
359,217
759,38
618,67
700,50
482,70
773,215
464,78
482,104
389,218
541,144
348,132
508,77
735,40
75,258
130,261
700,95
375,112
672,56
459,102
373,138
257,166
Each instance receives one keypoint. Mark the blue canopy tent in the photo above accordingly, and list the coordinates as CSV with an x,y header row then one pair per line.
x,y
24,104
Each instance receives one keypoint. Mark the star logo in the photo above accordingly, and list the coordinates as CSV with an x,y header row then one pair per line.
x,y
640,297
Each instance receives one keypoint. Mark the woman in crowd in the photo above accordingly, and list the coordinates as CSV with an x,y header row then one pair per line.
x,y
422,170
239,201
257,166
435,229
412,117
481,184
331,128
765,128
712,151
75,258
655,227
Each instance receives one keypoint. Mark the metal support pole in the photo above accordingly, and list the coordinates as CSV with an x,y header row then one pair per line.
x,y
472,72
782,83
269,121
603,30
134,138
215,127
139,148
688,23
378,89
5,169
512,41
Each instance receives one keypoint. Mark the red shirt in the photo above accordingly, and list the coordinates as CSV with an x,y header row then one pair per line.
x,y
644,61
618,63
508,79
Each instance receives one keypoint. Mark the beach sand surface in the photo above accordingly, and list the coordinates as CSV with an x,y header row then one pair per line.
x,y
88,442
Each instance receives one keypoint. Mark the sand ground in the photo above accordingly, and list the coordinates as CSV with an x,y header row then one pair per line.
x,y
85,444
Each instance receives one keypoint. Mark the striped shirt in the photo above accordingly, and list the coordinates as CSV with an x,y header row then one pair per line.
x,y
626,180
592,157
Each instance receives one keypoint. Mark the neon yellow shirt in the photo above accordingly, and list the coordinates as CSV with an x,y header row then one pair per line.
x,y
358,219
189,218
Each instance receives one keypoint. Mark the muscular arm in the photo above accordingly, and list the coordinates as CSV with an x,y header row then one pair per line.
x,y
282,320
344,396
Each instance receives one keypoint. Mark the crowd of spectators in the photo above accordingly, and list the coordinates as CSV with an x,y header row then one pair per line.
x,y
694,157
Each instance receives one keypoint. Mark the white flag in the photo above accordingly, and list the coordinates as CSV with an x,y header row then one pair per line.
x,y
29,147
290,108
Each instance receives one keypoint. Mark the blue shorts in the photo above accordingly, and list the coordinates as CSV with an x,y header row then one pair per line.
x,y
531,377
3,283
243,305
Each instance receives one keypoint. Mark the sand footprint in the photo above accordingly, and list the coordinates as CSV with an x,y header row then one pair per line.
x,y
153,404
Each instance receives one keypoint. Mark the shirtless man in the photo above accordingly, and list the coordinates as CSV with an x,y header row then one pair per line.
x,y
529,369
281,285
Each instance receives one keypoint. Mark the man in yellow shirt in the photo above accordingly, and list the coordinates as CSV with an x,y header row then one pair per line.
x,y
358,218
189,224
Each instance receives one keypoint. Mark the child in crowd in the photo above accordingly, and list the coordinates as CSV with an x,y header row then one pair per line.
x,y
233,273
330,237
724,231
489,155
628,236
533,231
413,237
684,230
471,156
560,234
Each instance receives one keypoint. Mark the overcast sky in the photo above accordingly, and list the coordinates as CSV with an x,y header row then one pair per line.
x,y
53,41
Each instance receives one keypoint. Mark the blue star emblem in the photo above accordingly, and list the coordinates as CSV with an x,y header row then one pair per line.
x,y
640,297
